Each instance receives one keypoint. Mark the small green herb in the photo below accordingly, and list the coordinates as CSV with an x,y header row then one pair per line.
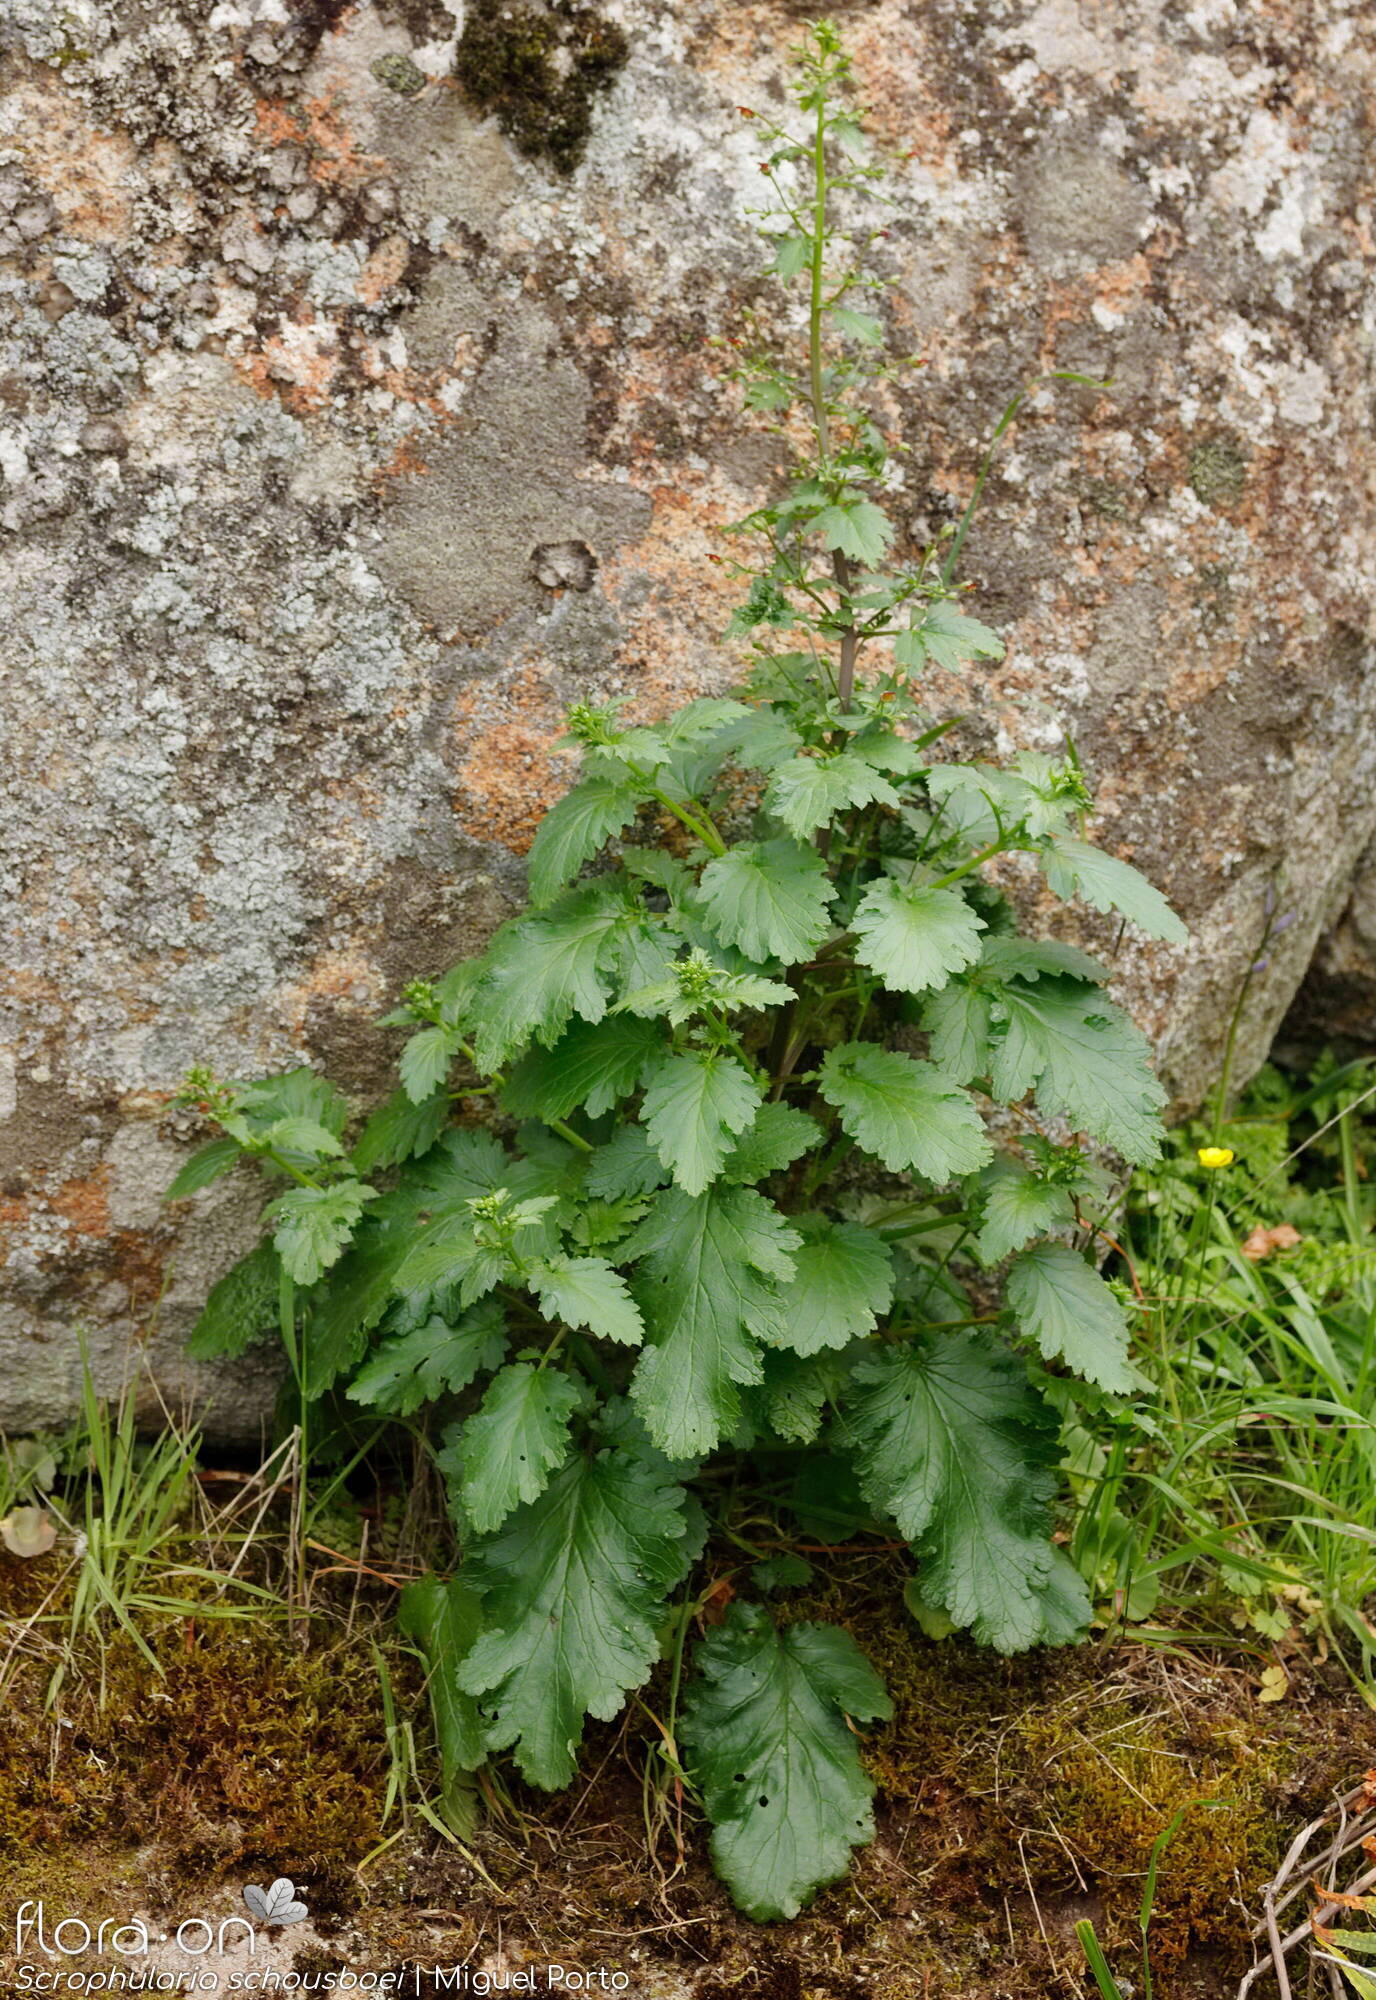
x,y
747,1196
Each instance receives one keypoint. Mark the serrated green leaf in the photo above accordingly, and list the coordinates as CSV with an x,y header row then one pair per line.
x,y
576,826
1017,1207
843,1281
769,897
544,969
1065,1306
1074,867
792,254
948,638
779,1136
915,938
400,1130
295,1093
779,1770
949,1438
855,528
314,1226
517,1438
593,1064
444,1620
797,1390
763,740
957,1019
1028,958
206,1164
905,1112
864,327
626,1165
1087,1061
425,1061
1063,1602
241,1307
586,1291
303,1139
709,1288
694,1105
344,1312
419,1366
808,792
573,1590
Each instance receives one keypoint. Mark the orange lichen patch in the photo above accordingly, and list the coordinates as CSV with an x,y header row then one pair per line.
x,y
317,126
87,172
890,49
297,364
346,975
404,463
139,1265
85,1203
891,55
384,269
510,780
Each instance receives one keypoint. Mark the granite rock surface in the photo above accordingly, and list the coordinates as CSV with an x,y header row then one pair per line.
x,y
357,411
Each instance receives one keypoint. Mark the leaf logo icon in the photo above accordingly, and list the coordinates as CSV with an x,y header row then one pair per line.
x,y
276,1905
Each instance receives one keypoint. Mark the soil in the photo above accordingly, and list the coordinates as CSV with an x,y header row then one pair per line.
x,y
1015,1798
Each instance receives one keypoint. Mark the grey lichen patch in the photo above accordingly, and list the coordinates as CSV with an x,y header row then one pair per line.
x,y
1078,207
457,536
1217,470
538,69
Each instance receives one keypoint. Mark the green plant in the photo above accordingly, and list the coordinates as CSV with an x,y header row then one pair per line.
x,y
1254,1508
753,1250
1108,1986
135,1515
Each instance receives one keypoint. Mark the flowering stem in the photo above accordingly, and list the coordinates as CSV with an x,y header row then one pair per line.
x,y
840,565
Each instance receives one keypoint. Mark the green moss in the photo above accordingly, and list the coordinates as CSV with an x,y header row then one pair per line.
x,y
538,70
1217,470
399,73
243,1746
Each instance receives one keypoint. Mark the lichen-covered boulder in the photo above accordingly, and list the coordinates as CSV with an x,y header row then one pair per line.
x,y
357,409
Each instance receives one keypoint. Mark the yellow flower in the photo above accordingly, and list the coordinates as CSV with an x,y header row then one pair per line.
x,y
1216,1156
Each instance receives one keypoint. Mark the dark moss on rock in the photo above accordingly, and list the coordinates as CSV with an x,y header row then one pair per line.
x,y
538,70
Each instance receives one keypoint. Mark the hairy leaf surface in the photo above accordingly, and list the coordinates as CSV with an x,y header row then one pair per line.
x,y
593,1065
519,1435
444,1619
586,1291
1087,1061
949,1438
780,1771
1073,867
241,1307
843,1281
1071,1314
432,1359
712,1266
904,1111
573,1589
770,897
576,826
915,938
694,1106
807,792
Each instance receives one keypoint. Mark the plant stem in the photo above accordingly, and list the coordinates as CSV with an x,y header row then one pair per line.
x,y
840,564
702,827
567,1132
